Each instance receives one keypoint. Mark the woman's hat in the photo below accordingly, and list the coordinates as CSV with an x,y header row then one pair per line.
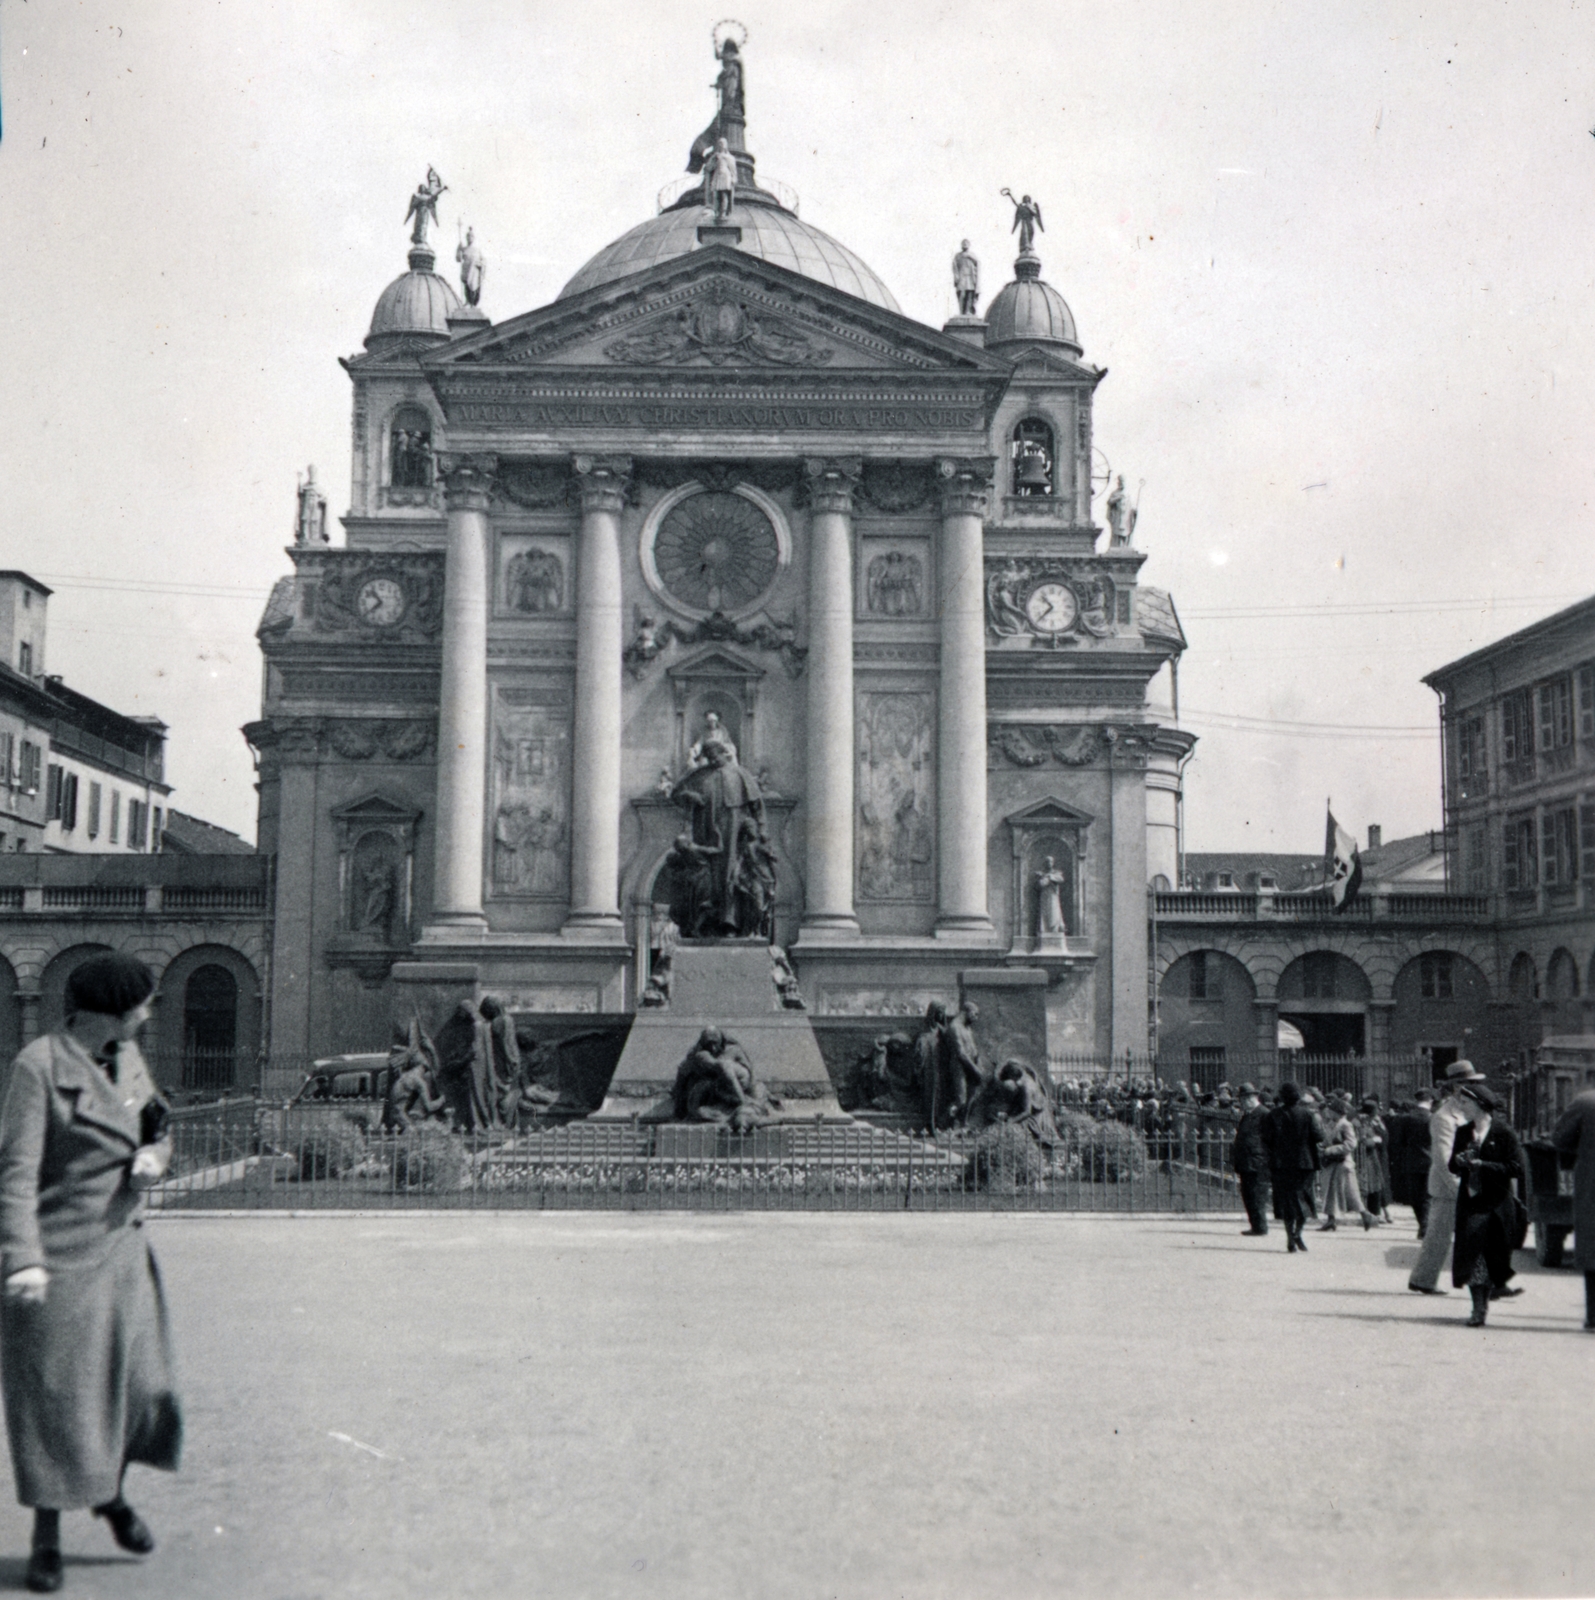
x,y
111,985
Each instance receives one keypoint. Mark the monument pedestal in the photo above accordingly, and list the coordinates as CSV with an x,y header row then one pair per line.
x,y
725,984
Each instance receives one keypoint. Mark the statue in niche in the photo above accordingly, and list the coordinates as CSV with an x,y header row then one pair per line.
x,y
720,181
534,581
1052,888
1005,615
892,585
714,732
728,845
663,935
715,1083
473,266
1026,219
424,206
379,898
966,280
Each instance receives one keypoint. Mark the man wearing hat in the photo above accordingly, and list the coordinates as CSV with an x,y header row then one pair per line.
x,y
1249,1157
1440,1228
1408,1150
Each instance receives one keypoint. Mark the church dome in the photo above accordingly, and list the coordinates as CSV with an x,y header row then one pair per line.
x,y
416,305
769,231
1028,311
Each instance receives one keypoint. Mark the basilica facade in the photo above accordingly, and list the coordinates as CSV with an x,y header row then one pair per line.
x,y
720,493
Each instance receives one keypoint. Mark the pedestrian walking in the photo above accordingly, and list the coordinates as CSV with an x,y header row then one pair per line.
x,y
1408,1154
1487,1160
1294,1138
85,1355
1440,1228
1373,1171
1574,1138
1340,1166
1249,1157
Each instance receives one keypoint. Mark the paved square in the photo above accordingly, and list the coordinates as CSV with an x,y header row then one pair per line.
x,y
807,1405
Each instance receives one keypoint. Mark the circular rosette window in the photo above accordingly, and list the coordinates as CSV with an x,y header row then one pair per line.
x,y
706,551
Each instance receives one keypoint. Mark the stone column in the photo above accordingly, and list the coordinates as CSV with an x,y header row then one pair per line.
x,y
828,892
462,699
595,767
961,747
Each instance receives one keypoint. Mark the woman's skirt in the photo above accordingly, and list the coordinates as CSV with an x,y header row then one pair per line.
x,y
1481,1236
87,1379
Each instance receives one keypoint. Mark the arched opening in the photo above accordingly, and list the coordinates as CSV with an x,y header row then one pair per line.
x,y
1442,1010
1561,990
210,1028
410,449
1521,1027
1207,1024
1324,996
1032,458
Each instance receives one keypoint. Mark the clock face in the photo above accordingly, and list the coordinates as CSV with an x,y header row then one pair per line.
x,y
380,602
1051,607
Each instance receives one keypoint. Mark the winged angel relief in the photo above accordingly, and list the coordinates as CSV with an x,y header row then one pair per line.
x,y
717,329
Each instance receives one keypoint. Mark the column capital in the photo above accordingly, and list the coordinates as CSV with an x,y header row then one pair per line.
x,y
467,481
965,483
829,482
604,482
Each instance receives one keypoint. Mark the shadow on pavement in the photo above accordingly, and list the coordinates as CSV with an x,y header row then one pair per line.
x,y
1439,1322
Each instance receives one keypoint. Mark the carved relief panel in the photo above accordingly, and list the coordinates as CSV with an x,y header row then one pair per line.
x,y
895,579
896,826
530,798
1052,602
534,576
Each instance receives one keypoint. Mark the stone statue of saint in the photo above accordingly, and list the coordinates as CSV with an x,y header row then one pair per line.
x,y
1051,886
720,180
1117,504
729,106
424,206
713,733
966,280
472,267
1026,218
728,837
378,884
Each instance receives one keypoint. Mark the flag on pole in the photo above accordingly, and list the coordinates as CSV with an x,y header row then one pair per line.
x,y
1342,864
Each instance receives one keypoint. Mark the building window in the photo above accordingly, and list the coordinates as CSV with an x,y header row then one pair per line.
x,y
1225,880
1520,863
1556,714
94,810
157,826
8,750
1267,880
31,764
1517,730
52,793
115,828
1586,841
1031,453
25,659
410,450
69,802
137,820
1473,865
1472,763
1435,975
1559,846
1586,702
1207,980
1318,975
210,1028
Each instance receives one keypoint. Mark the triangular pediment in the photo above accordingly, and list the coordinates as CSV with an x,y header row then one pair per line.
x,y
713,663
716,309
377,809
1037,361
1050,812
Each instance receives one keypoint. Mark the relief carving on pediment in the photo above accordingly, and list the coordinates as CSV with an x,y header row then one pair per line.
x,y
717,329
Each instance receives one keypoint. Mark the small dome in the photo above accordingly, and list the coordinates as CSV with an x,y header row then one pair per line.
x,y
769,231
417,305
1028,311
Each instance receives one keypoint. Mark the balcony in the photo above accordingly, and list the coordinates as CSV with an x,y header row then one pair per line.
x,y
1425,910
125,886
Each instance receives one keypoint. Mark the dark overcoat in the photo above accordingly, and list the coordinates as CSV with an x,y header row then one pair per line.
x,y
1249,1153
1486,1207
1575,1134
1409,1156
86,1373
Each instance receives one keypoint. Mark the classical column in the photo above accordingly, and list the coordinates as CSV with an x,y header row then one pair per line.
x,y
595,767
462,698
828,801
961,752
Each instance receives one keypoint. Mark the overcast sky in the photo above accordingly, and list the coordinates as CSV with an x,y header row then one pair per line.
x,y
1338,258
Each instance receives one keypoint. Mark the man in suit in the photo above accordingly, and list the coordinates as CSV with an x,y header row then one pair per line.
x,y
1440,1228
1293,1137
1575,1136
1409,1156
1249,1157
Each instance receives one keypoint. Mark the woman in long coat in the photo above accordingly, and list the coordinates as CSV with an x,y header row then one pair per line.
x,y
1574,1138
1373,1168
85,1359
1486,1158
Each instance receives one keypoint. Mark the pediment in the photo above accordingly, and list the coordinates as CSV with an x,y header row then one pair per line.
x,y
713,663
1048,813
1037,361
717,309
375,808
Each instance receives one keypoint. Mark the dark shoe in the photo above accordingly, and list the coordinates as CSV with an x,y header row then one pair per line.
x,y
1505,1294
1301,1244
1476,1320
1254,1233
1290,1246
45,1574
128,1528
1367,1221
1327,1227
1418,1288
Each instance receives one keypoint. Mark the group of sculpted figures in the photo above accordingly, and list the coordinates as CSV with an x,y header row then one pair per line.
x,y
473,1078
723,866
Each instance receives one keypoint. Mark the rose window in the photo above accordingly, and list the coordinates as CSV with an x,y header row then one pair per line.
x,y
716,552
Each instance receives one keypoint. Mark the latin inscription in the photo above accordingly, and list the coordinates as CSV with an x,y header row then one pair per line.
x,y
720,414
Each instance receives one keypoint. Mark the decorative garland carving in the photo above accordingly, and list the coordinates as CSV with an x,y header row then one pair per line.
x,y
772,633
535,485
720,476
1029,745
1051,600
717,328
419,574
398,741
896,486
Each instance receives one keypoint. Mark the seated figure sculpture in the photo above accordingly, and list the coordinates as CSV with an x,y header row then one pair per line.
x,y
1015,1095
715,1083
412,1093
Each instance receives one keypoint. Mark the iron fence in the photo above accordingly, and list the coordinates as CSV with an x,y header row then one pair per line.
x,y
243,1155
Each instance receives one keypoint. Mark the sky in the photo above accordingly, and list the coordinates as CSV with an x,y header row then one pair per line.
x,y
1337,259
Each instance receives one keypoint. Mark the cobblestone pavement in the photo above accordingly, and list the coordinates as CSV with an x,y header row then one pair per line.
x,y
770,1406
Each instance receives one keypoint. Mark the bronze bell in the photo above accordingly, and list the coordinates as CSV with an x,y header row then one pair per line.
x,y
1034,473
